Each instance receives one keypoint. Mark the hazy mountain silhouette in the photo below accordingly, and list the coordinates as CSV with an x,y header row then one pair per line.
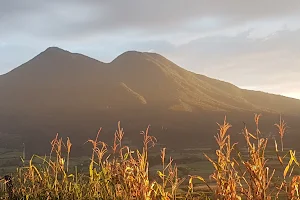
x,y
62,91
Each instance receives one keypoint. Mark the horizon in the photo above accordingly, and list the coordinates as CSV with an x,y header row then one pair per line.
x,y
239,43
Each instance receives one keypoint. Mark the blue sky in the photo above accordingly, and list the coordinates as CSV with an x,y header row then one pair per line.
x,y
252,44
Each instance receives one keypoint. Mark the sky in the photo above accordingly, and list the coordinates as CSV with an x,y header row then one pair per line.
x,y
252,44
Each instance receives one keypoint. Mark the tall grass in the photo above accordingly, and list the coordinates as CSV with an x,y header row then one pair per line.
x,y
250,176
117,172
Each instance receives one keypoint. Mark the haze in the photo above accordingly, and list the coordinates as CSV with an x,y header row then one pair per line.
x,y
252,44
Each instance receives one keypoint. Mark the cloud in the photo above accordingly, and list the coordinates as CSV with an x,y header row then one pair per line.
x,y
73,19
269,64
249,43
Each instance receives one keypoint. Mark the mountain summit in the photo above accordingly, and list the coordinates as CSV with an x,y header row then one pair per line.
x,y
59,80
60,91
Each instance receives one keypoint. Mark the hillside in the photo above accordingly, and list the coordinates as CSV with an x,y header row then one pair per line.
x,y
60,80
59,91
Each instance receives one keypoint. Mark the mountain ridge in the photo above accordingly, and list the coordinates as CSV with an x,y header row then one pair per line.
x,y
70,93
159,81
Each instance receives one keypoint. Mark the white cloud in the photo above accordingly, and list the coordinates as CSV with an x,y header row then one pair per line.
x,y
295,95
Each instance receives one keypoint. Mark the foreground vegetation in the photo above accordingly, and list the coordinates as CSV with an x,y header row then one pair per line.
x,y
117,172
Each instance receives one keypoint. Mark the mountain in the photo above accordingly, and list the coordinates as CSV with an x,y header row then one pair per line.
x,y
59,80
60,89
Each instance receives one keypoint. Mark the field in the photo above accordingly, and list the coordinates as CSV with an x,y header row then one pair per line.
x,y
259,169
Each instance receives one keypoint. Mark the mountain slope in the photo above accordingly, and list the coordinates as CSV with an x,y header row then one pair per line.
x,y
59,91
63,81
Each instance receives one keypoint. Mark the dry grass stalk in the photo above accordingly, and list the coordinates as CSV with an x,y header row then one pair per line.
x,y
281,130
124,173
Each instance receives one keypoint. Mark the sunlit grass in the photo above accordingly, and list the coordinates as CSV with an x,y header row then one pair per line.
x,y
117,172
